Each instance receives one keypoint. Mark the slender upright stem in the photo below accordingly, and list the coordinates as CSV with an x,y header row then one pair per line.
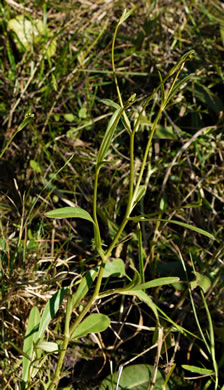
x,y
92,299
96,225
132,167
56,378
126,120
69,329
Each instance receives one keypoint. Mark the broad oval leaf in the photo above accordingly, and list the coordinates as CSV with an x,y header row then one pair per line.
x,y
30,31
135,377
114,267
94,323
27,30
157,282
70,212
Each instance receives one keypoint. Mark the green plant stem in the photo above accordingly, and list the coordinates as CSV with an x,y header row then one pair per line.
x,y
132,167
69,330
131,195
126,120
155,123
92,299
146,154
212,339
96,226
116,238
56,378
178,67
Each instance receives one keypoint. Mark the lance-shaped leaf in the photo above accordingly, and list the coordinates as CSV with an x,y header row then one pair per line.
x,y
144,298
110,103
188,55
180,84
157,283
28,118
107,139
84,286
135,281
125,15
50,310
70,212
198,370
31,337
94,323
138,195
142,218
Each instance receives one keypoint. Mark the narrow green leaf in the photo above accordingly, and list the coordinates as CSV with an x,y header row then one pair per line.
x,y
144,298
188,55
212,341
84,286
157,282
106,142
114,267
28,118
70,212
178,86
50,310
31,337
125,15
94,323
110,103
162,87
135,281
198,370
142,218
138,195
